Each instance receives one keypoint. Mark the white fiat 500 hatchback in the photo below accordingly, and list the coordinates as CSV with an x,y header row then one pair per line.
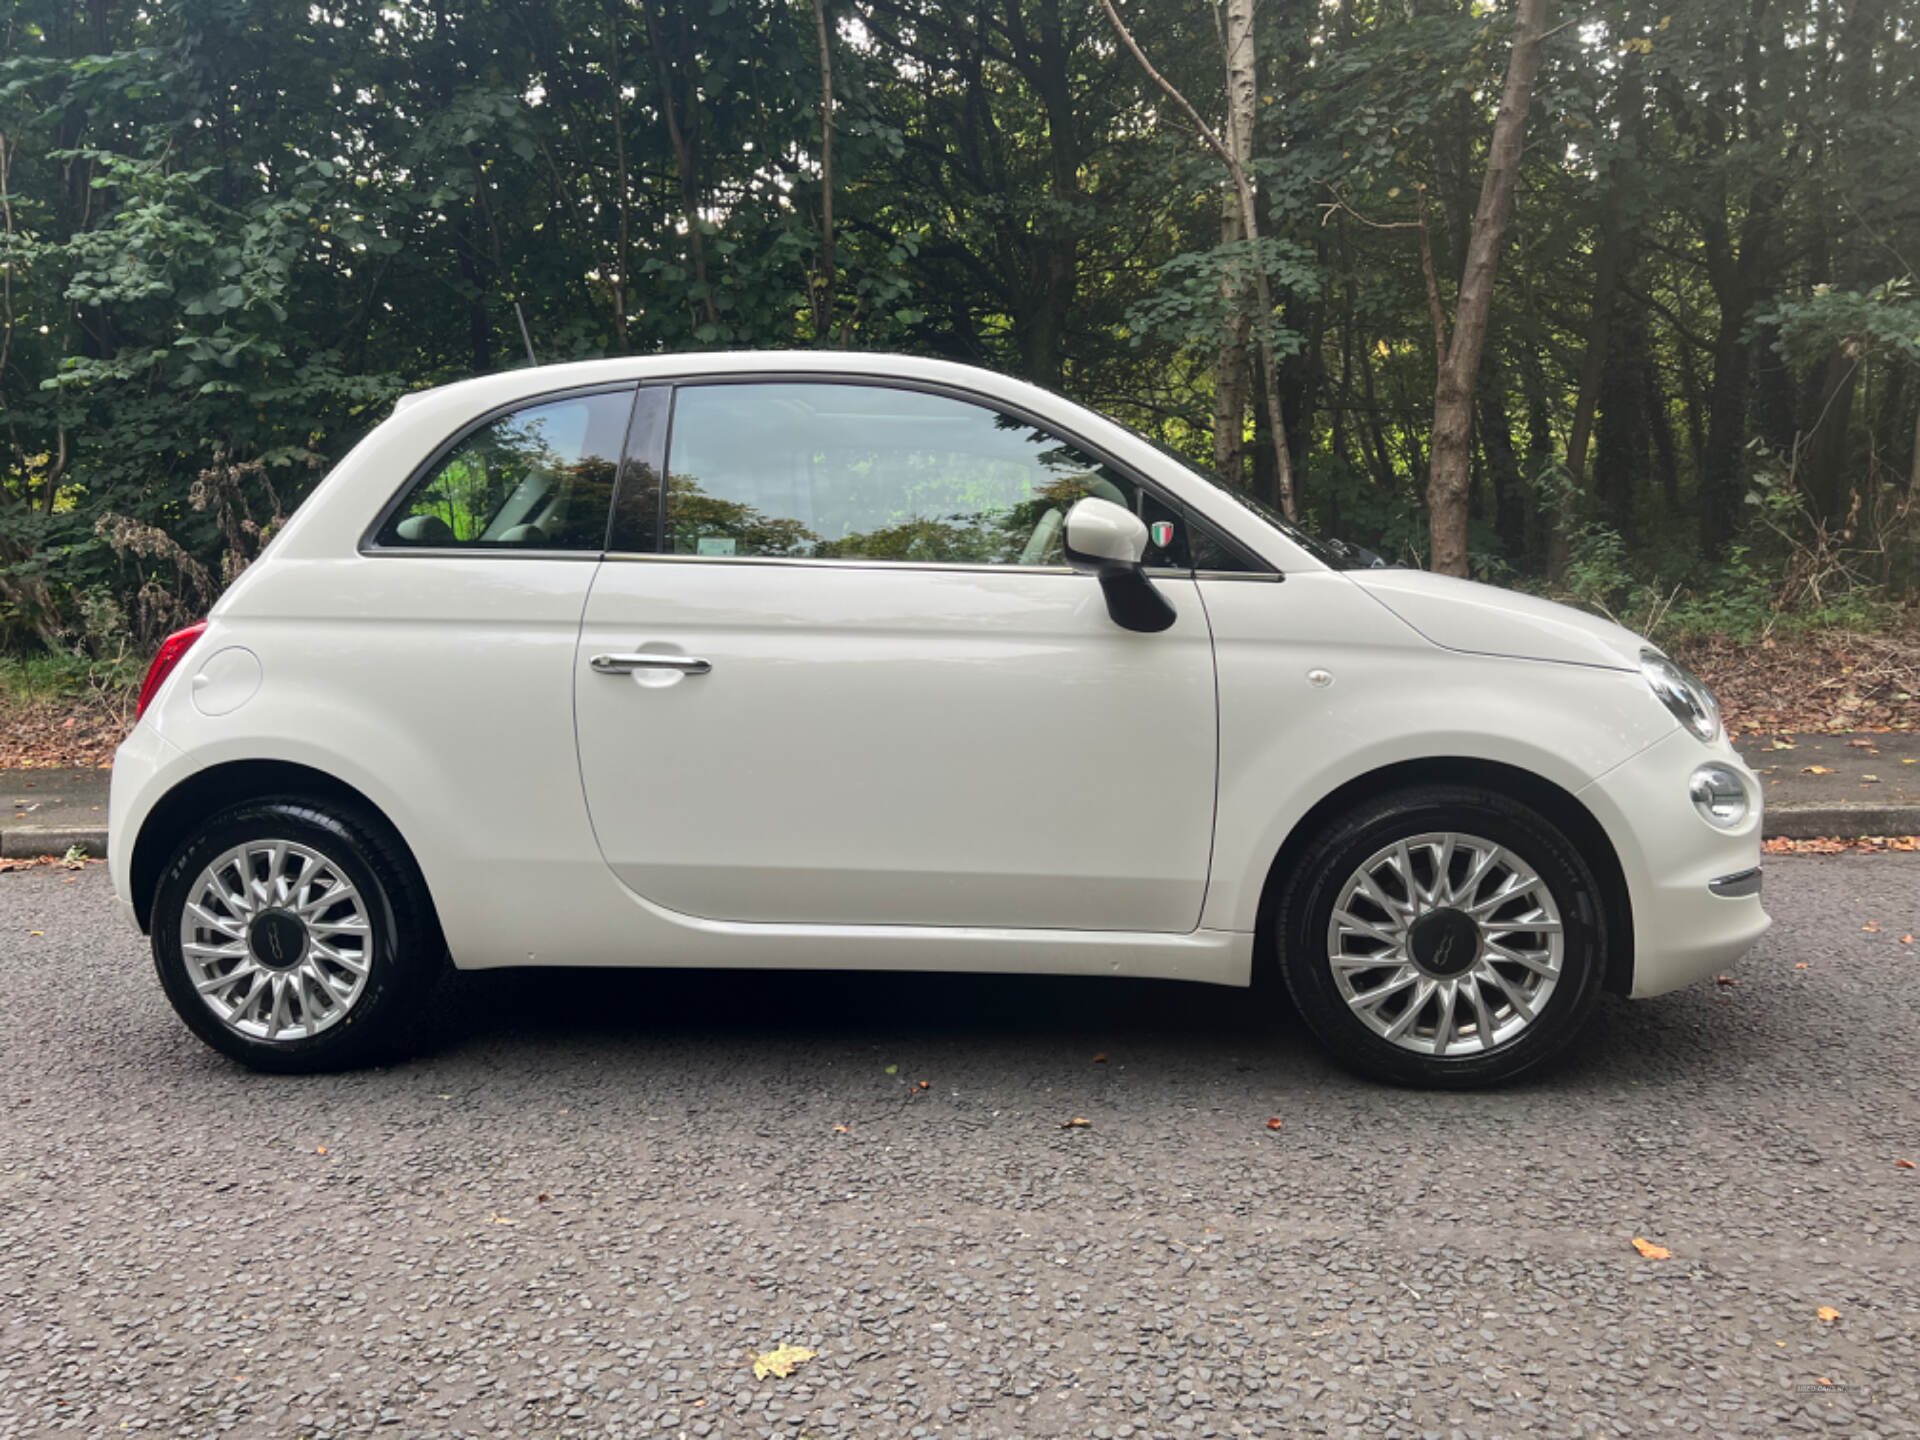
x,y
868,662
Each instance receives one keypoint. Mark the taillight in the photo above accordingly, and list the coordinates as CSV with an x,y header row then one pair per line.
x,y
172,650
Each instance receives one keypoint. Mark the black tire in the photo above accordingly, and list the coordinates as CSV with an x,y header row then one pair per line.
x,y
1313,889
407,954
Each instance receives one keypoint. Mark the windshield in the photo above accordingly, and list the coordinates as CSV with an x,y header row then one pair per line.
x,y
1324,553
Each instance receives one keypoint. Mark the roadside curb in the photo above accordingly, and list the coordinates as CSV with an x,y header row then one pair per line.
x,y
26,842
1812,822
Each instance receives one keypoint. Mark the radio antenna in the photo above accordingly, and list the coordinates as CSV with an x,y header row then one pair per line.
x,y
525,338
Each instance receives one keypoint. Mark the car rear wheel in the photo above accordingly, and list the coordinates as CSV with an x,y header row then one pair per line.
x,y
294,935
1443,936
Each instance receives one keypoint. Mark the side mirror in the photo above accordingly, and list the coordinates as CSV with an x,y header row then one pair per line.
x,y
1108,541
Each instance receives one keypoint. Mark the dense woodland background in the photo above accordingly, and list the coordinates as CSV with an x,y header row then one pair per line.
x,y
231,233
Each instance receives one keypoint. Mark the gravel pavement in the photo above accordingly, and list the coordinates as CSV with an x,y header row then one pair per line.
x,y
599,1195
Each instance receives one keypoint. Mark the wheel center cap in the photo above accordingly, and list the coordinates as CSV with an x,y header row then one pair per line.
x,y
278,939
1444,942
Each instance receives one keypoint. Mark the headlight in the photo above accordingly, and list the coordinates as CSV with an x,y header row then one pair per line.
x,y
1719,796
1681,693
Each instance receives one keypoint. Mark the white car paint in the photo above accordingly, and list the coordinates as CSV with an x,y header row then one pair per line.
x,y
896,765
899,746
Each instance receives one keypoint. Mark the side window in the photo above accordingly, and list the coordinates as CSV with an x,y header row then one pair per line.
x,y
540,478
842,471
1211,554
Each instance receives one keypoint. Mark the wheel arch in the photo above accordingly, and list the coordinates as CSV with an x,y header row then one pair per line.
x,y
1559,805
216,788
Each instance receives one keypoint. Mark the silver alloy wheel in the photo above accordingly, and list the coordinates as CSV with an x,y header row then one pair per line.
x,y
1445,944
276,940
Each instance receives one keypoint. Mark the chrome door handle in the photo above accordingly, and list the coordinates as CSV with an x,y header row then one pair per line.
x,y
622,664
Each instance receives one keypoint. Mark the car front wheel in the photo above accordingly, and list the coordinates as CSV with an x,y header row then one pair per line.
x,y
1443,936
293,936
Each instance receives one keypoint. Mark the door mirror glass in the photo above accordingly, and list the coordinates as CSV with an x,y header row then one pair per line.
x,y
1101,533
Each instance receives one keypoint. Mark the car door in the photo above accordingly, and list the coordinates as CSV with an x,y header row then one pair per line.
x,y
870,692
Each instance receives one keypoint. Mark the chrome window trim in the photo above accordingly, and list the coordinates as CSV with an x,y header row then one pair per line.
x,y
490,552
856,563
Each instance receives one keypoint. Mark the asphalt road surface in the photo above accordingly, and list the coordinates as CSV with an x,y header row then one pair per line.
x,y
600,1195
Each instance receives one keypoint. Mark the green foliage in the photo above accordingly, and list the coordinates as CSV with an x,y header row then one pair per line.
x,y
1757,590
1883,322
232,232
1198,293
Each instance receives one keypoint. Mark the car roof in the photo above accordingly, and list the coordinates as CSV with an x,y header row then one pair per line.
x,y
534,379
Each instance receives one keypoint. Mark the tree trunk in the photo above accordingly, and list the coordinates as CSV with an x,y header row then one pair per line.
x,y
1451,454
1723,471
623,247
1825,444
1232,381
682,135
1053,247
479,323
1503,466
1609,261
1376,433
823,286
1250,221
1739,274
1622,449
1666,450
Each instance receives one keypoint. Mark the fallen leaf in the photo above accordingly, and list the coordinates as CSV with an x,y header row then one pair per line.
x,y
319,1149
1651,1250
1869,779
498,1219
1725,980
36,932
780,1361
1816,770
1078,1122
1903,1164
1821,1380
1861,744
1906,939
542,1198
893,1069
1799,964
920,1085
1828,1313
1101,1058
843,1129
1872,927
1274,1122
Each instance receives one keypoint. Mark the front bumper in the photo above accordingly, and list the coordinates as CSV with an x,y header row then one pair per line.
x,y
1694,889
